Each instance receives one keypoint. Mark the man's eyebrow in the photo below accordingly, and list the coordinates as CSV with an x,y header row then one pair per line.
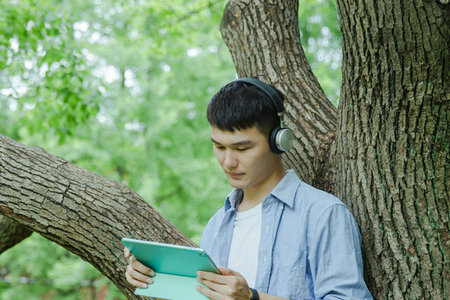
x,y
215,142
240,143
243,143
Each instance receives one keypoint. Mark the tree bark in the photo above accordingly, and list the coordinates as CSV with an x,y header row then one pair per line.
x,y
264,41
79,210
11,233
389,163
392,150
384,152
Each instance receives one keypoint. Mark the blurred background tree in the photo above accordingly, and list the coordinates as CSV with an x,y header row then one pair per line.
x,y
120,88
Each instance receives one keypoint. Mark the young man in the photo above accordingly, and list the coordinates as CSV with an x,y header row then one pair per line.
x,y
278,237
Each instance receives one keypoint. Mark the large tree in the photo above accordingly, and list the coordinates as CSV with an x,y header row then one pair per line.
x,y
384,151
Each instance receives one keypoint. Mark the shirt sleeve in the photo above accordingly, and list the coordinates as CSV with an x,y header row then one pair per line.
x,y
335,256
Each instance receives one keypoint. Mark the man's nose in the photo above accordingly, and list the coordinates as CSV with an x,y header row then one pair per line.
x,y
230,160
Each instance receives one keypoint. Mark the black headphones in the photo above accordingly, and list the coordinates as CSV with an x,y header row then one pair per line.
x,y
281,137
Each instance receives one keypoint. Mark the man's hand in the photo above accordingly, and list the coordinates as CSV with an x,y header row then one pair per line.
x,y
228,285
137,274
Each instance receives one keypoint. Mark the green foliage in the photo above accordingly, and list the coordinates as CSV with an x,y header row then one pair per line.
x,y
124,93
40,62
322,41
40,269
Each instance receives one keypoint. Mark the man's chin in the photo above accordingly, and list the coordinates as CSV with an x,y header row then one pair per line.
x,y
239,184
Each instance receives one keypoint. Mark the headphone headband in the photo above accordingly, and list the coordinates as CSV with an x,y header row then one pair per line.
x,y
281,138
267,89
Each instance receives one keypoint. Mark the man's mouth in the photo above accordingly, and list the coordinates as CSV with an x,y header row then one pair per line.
x,y
235,174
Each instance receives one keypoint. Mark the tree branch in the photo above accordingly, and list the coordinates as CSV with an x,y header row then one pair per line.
x,y
79,210
11,233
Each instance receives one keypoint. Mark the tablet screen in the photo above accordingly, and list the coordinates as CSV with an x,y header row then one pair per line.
x,y
171,259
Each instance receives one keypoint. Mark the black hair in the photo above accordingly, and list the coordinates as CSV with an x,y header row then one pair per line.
x,y
239,106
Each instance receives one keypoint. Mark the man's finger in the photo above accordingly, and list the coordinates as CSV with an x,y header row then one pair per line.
x,y
136,275
126,252
209,293
229,277
217,287
209,276
226,271
134,282
138,266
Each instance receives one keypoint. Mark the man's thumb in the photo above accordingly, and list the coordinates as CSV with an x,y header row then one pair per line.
x,y
226,271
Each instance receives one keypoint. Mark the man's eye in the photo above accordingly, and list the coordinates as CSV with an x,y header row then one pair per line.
x,y
219,147
241,149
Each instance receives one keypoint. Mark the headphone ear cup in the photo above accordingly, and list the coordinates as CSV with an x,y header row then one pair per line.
x,y
284,139
281,139
273,140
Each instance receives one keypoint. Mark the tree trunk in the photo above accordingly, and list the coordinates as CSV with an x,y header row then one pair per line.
x,y
389,162
264,41
393,142
81,211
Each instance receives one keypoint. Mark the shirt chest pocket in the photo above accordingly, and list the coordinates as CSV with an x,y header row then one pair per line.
x,y
289,273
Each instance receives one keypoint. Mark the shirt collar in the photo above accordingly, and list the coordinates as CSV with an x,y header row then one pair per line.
x,y
233,197
284,191
286,188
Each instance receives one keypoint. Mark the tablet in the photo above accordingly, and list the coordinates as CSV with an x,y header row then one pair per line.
x,y
175,267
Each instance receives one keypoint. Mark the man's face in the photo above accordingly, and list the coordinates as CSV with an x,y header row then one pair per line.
x,y
244,156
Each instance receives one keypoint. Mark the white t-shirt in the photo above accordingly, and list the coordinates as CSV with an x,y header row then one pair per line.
x,y
243,256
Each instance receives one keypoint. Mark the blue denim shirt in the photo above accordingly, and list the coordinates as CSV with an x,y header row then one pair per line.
x,y
309,246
